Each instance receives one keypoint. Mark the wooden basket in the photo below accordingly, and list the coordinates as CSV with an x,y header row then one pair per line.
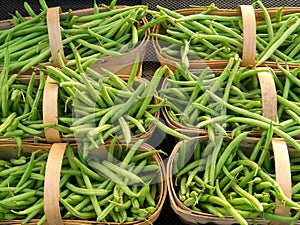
x,y
282,154
117,64
50,105
52,178
250,18
49,111
179,127
269,102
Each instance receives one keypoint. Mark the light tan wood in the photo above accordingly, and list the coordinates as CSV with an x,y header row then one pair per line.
x,y
283,176
54,33
50,110
268,94
249,35
51,184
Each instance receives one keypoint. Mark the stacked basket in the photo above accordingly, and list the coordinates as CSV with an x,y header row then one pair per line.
x,y
57,165
227,118
238,113
77,114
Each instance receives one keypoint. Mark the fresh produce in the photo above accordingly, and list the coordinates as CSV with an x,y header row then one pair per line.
x,y
123,185
110,33
232,176
104,105
21,105
92,106
206,34
231,101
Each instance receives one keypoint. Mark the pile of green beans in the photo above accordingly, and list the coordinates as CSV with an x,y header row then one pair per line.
x,y
122,186
92,106
106,105
110,33
226,177
21,104
204,36
21,101
230,101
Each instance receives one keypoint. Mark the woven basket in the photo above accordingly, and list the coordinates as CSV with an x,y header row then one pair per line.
x,y
269,90
250,18
282,155
52,177
50,101
117,64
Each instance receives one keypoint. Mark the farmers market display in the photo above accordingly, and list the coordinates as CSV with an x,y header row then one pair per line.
x,y
77,115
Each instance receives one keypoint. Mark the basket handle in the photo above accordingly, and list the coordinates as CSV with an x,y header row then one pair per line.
x,y
50,97
50,110
279,146
249,35
52,181
268,94
283,176
54,33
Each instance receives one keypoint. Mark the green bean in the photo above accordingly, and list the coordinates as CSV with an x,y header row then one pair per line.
x,y
26,65
7,121
214,159
279,218
112,176
167,39
73,211
289,104
98,48
123,172
200,16
107,13
145,155
224,202
256,204
123,27
27,171
264,125
239,110
219,119
106,211
231,147
226,29
263,157
87,191
278,42
79,207
86,170
289,75
165,128
278,191
267,20
38,206
232,173
18,197
92,197
131,101
198,163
